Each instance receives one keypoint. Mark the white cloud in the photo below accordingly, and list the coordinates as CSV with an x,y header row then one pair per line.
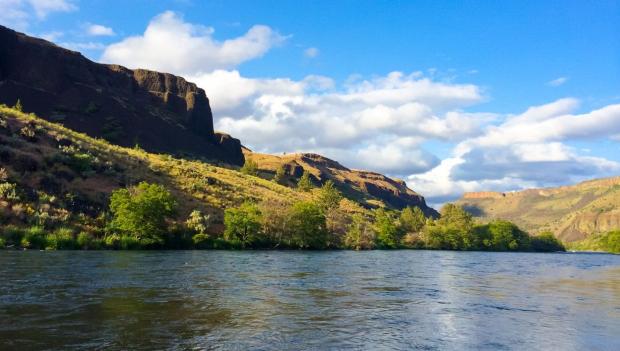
x,y
18,13
526,150
557,82
99,30
169,44
311,52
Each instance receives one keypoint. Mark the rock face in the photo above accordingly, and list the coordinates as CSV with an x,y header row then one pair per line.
x,y
570,212
367,188
158,111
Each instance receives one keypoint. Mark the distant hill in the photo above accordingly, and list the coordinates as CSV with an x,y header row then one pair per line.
x,y
367,188
158,111
571,212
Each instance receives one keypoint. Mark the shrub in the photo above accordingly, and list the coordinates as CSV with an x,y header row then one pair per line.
x,y
2,243
280,174
250,168
60,239
142,212
243,223
8,191
412,219
201,241
198,223
546,242
86,241
360,235
305,183
329,197
276,222
308,226
18,105
387,232
13,235
34,238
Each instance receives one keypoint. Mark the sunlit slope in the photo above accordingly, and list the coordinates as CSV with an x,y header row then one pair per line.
x,y
570,212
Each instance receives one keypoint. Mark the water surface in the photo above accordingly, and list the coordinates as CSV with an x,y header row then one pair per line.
x,y
309,300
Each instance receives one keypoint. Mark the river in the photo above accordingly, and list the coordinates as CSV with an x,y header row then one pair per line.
x,y
261,300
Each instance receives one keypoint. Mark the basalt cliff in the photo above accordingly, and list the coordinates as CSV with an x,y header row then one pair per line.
x,y
160,112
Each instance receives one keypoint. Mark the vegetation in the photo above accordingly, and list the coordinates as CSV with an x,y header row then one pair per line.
x,y
606,242
250,168
305,183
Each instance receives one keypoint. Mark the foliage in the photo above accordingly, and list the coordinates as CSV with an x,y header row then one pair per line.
x,y
243,223
360,235
305,183
197,222
308,226
412,219
505,236
18,105
607,242
279,175
141,211
250,167
329,197
545,242
200,241
60,239
34,238
386,229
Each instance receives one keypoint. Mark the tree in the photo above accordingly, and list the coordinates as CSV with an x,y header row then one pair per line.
x,y
546,242
276,218
329,197
305,183
280,174
308,226
412,219
250,167
142,211
360,235
506,236
198,222
243,223
387,232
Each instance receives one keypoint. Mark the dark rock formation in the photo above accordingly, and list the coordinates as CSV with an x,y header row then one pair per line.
x,y
159,111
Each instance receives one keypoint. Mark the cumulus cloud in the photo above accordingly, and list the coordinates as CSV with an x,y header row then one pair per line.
x,y
169,44
557,82
18,13
99,30
526,150
311,52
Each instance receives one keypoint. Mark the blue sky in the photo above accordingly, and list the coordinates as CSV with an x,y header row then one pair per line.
x,y
298,75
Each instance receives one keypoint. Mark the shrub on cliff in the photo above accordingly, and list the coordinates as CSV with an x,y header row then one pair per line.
x,y
305,183
250,167
142,212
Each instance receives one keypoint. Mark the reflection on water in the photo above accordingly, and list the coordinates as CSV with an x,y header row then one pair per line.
x,y
309,300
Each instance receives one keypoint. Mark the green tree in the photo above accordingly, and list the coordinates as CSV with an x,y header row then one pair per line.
x,y
412,219
329,197
250,167
611,241
506,236
360,235
280,174
546,242
242,224
142,212
386,229
308,226
305,183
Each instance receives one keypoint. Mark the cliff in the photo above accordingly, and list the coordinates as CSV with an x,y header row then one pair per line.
x,y
158,111
367,188
571,212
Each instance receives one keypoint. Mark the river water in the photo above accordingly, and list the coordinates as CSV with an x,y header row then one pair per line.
x,y
392,300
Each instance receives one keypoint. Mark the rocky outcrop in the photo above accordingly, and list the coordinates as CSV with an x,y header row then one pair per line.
x,y
571,212
364,187
160,112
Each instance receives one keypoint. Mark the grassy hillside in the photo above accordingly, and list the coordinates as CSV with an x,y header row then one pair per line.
x,y
572,213
370,189
53,176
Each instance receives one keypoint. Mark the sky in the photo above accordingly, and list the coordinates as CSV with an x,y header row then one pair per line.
x,y
450,96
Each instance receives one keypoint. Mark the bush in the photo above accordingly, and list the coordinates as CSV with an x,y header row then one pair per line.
x,y
305,183
34,238
201,241
142,212
506,236
412,220
280,175
60,239
13,235
546,242
250,168
86,241
243,223
329,197
308,226
2,243
198,223
360,235
387,232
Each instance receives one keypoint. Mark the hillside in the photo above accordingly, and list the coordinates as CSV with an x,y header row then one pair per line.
x,y
59,177
367,188
158,111
571,212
